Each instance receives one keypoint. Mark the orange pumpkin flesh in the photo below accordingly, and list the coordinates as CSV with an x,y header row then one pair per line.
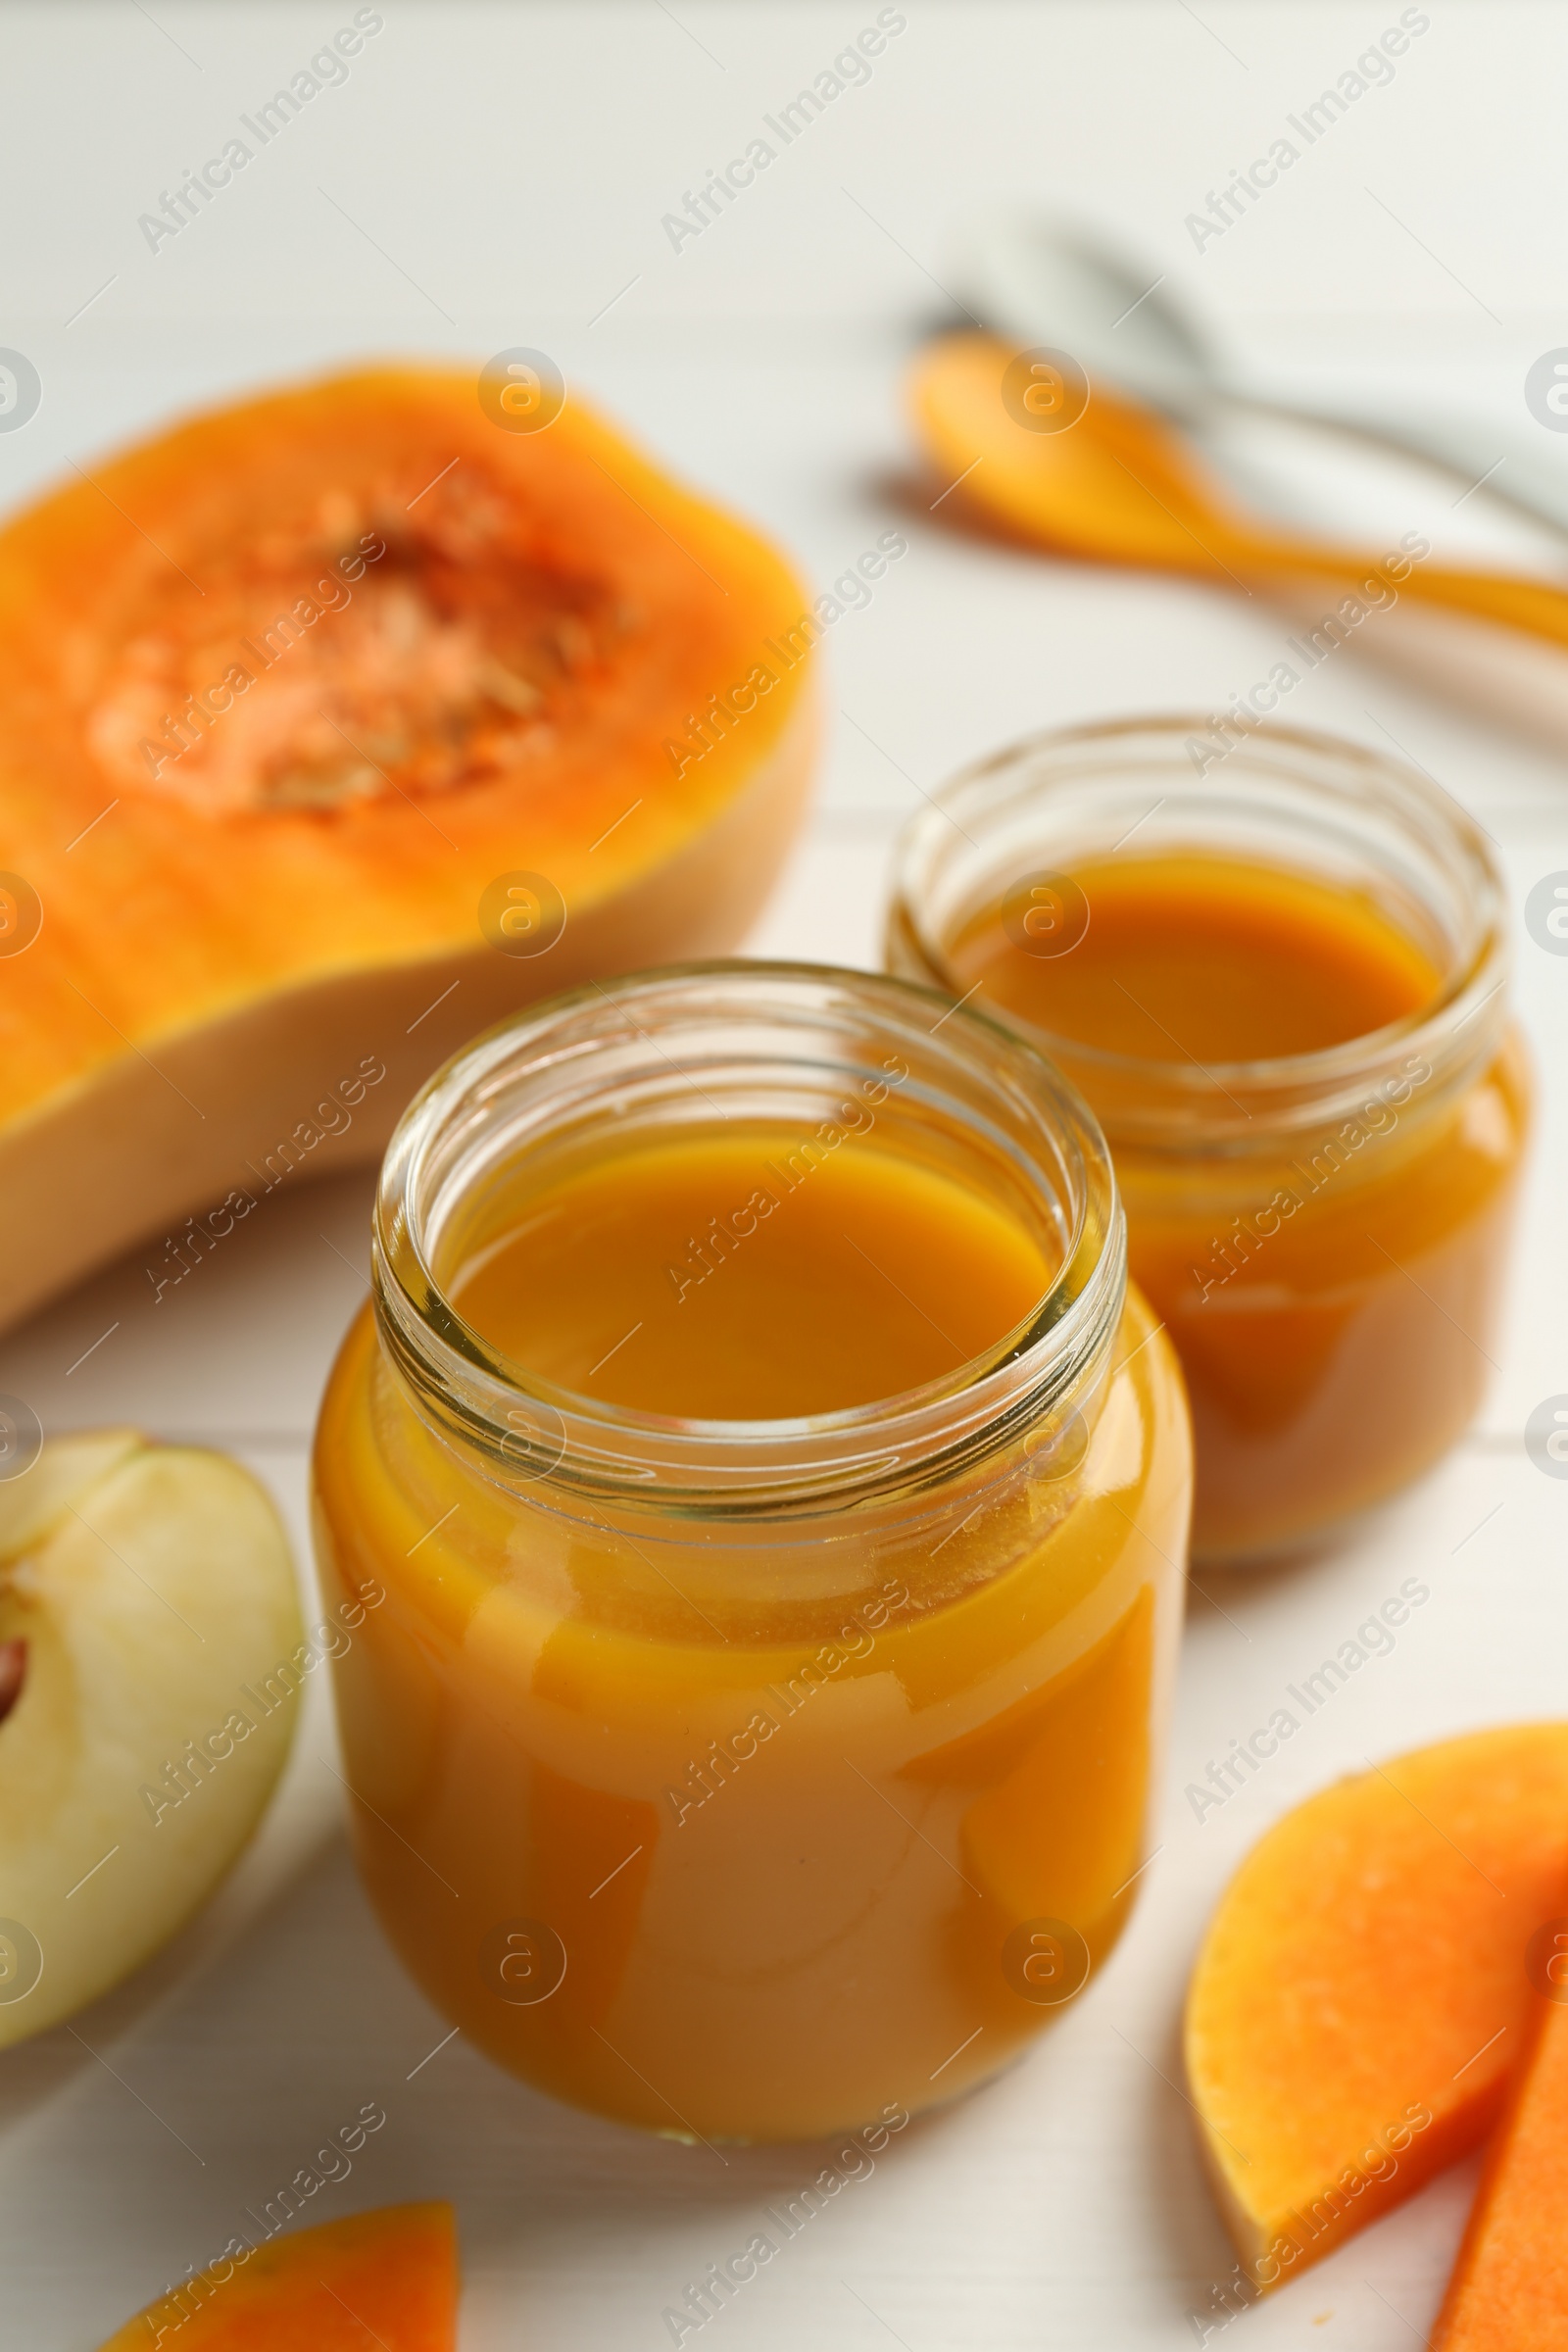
x,y
1509,2287
1366,1967
249,890
387,2277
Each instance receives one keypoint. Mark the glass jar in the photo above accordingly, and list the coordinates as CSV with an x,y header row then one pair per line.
x,y
750,1779
1325,1235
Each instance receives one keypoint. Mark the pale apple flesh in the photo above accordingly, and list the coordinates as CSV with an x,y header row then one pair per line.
x,y
149,1616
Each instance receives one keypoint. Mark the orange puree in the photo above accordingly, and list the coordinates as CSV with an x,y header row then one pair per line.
x,y
1208,959
755,1827
1329,1286
666,1280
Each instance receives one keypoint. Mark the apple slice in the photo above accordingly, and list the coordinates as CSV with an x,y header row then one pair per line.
x,y
148,1632
387,2277
29,1505
1363,1990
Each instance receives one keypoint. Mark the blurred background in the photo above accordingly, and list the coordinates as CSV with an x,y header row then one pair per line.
x,y
485,176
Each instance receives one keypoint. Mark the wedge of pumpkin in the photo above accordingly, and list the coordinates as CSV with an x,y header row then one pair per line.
x,y
387,2277
1363,1993
332,726
1509,2287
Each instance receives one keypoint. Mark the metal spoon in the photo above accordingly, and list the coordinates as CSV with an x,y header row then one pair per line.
x,y
1041,281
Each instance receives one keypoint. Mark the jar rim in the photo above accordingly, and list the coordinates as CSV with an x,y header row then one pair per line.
x,y
1297,1090
554,1057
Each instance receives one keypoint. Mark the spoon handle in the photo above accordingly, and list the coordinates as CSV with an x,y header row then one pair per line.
x,y
1467,453
1532,606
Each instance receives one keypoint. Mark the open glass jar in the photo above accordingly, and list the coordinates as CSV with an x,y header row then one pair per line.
x,y
751,1778
1323,1233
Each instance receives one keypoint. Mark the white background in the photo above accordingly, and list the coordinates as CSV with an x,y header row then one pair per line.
x,y
495,176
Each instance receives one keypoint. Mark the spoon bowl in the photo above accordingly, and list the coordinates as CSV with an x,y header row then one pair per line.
x,y
1038,280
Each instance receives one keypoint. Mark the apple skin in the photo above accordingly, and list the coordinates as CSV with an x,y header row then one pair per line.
x,y
154,1590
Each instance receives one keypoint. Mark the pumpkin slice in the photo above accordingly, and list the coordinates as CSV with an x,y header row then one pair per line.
x,y
387,2277
1509,2287
1362,1991
332,727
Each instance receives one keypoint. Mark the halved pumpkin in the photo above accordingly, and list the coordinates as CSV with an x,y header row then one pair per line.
x,y
332,726
387,2277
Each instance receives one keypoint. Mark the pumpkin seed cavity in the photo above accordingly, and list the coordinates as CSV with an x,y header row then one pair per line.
x,y
367,652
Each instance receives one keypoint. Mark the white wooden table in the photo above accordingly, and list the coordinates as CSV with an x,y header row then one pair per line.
x,y
515,166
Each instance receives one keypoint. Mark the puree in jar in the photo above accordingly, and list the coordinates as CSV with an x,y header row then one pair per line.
x,y
1208,959
705,1277
761,1822
1329,1289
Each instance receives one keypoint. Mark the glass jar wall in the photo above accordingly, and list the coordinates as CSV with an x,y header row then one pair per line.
x,y
748,1775
1276,967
